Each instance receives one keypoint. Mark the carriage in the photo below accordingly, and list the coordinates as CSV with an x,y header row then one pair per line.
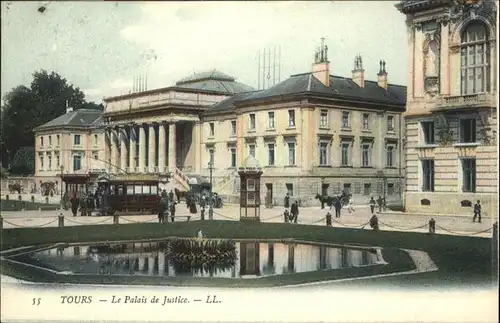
x,y
121,194
137,194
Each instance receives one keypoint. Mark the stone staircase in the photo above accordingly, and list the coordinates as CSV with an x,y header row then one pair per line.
x,y
224,186
181,179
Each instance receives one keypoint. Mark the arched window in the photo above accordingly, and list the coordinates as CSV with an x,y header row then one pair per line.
x,y
475,59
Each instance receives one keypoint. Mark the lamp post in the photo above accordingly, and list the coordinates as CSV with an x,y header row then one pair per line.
x,y
210,203
61,189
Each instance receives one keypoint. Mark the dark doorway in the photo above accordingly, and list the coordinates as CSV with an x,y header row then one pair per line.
x,y
324,189
269,194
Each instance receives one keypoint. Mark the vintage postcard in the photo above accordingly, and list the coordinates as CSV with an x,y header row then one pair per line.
x,y
330,161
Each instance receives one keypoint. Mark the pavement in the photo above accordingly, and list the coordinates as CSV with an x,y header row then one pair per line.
x,y
388,221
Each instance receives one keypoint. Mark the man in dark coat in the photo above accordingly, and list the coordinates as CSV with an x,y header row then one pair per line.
x,y
380,202
372,205
163,206
477,212
171,196
172,211
203,202
74,204
286,203
295,211
338,207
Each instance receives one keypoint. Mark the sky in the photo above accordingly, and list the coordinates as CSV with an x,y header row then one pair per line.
x,y
101,46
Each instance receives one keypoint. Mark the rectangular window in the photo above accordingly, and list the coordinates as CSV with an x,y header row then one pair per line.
x,y
251,197
428,130
41,162
324,189
270,124
323,119
469,175
41,141
390,188
251,149
345,119
390,123
95,155
270,149
50,161
323,153
345,154
291,154
366,155
58,140
233,157
77,162
211,153
76,140
233,127
347,188
252,121
366,119
367,189
57,161
50,141
291,118
289,189
390,156
467,130
95,140
212,129
428,175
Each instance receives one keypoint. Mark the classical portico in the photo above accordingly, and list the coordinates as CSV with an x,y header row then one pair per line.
x,y
149,147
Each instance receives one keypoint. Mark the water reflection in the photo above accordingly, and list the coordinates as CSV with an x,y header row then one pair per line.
x,y
251,259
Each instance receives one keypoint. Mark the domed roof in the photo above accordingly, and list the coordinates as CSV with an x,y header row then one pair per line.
x,y
214,81
250,164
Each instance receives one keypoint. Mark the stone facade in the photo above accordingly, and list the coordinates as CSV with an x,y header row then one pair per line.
x,y
451,147
75,146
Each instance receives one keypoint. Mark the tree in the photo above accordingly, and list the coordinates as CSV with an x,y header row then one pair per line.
x,y
29,107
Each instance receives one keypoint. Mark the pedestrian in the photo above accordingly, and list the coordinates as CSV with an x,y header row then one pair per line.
x,y
286,203
171,196
74,204
374,222
477,212
379,202
295,211
384,204
178,195
372,205
338,207
172,211
202,207
163,206
350,206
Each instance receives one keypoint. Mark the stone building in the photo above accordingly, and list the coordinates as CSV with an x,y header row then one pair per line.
x,y
313,132
451,139
74,141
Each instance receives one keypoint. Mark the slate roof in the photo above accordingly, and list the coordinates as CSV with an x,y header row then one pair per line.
x,y
82,118
227,104
340,87
213,81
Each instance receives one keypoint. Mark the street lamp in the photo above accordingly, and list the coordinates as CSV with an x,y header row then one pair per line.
x,y
61,189
210,205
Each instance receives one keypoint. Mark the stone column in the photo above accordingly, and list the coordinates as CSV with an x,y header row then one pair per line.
x,y
171,147
152,148
114,150
444,51
161,261
142,263
162,141
132,149
123,150
151,265
142,148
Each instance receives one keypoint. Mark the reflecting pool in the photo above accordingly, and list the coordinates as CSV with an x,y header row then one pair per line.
x,y
190,258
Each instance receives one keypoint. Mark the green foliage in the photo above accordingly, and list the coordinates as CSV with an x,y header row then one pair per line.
x,y
23,162
29,107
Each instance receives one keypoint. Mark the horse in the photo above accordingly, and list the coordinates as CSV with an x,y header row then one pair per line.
x,y
48,188
16,187
180,194
330,200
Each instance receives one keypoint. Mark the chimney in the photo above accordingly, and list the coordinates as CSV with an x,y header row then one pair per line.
x,y
358,73
68,108
321,66
382,75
